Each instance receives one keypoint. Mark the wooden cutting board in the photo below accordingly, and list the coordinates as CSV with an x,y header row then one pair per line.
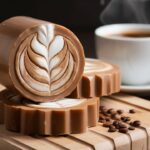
x,y
95,138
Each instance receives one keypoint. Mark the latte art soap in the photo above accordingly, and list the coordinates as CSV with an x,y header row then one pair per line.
x,y
42,60
64,116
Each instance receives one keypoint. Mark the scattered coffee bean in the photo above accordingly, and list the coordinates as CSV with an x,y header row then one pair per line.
x,y
115,116
104,111
111,111
107,118
131,123
116,120
136,123
112,126
125,119
123,130
102,120
120,111
112,130
132,111
116,124
131,128
121,125
107,124
128,119
102,107
102,117
106,114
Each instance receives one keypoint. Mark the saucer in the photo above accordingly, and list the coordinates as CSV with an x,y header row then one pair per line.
x,y
136,88
140,90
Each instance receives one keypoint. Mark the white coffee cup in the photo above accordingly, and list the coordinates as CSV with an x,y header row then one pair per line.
x,y
131,54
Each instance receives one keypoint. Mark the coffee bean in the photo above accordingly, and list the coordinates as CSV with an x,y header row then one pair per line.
x,y
123,130
111,111
131,128
125,119
115,116
104,111
102,107
112,130
136,123
121,125
107,124
112,126
120,111
102,117
106,114
131,123
132,111
115,122
107,119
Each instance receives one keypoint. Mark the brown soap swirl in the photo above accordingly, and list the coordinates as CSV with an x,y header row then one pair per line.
x,y
44,62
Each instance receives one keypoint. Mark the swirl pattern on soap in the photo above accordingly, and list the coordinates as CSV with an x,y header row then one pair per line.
x,y
44,63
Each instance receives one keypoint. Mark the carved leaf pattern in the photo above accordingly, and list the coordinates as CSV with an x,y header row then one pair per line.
x,y
47,62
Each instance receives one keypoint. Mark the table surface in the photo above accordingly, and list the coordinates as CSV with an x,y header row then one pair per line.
x,y
96,137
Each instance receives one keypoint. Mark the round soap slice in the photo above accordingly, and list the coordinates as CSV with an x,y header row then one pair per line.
x,y
42,60
64,116
99,79
5,94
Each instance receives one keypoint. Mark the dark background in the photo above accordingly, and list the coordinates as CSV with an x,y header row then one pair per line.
x,y
81,16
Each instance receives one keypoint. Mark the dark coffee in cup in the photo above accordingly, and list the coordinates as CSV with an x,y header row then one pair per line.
x,y
132,34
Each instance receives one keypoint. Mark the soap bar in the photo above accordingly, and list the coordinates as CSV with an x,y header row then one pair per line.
x,y
2,99
99,79
5,94
64,116
42,60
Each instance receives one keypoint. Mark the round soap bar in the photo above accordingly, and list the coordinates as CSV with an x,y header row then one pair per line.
x,y
42,60
99,79
61,117
2,99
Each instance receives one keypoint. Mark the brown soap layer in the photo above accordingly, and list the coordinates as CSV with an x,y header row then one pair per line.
x,y
2,99
41,60
25,119
5,94
99,79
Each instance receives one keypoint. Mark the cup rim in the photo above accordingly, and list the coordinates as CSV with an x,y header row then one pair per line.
x,y
103,31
